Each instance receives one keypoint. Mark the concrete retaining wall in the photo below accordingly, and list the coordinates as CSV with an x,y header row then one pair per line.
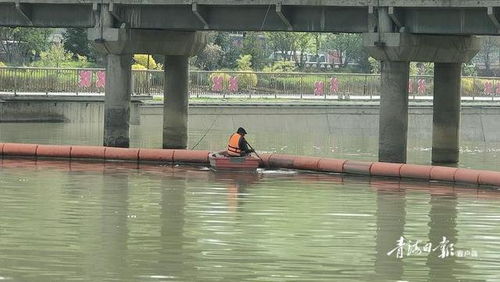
x,y
57,109
479,122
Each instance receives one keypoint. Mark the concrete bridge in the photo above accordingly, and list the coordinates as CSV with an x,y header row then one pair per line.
x,y
394,32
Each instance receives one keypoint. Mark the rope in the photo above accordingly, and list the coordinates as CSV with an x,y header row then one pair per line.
x,y
206,132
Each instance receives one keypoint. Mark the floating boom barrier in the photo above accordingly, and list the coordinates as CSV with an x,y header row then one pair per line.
x,y
397,170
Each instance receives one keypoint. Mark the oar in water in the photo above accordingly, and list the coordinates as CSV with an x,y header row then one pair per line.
x,y
256,154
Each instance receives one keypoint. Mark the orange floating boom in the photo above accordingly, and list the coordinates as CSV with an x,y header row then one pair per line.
x,y
424,172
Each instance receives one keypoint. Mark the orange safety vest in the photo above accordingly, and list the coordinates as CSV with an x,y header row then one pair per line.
x,y
233,147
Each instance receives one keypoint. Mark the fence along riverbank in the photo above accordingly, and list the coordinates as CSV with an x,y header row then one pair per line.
x,y
19,80
200,157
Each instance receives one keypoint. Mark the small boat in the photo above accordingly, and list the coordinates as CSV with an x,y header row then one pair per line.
x,y
222,161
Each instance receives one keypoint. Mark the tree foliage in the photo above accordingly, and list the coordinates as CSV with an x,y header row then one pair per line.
x,y
75,41
291,45
144,62
244,62
23,45
210,57
57,56
350,49
490,49
230,51
253,45
281,66
247,78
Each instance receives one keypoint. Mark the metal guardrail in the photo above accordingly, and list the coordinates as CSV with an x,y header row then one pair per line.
x,y
19,80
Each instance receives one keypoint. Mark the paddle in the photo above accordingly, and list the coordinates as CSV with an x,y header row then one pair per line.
x,y
256,153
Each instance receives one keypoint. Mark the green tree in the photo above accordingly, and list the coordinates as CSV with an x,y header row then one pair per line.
x,y
244,63
290,45
489,54
374,65
230,51
469,69
283,43
58,57
281,66
144,62
253,45
247,78
75,41
349,47
23,45
210,57
303,43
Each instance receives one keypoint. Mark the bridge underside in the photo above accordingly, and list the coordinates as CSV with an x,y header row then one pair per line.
x,y
419,17
395,32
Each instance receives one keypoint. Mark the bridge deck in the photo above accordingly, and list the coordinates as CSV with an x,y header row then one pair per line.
x,y
424,16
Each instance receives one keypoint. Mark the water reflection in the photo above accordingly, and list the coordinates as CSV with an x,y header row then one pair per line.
x,y
113,221
391,218
173,262
237,184
111,258
442,224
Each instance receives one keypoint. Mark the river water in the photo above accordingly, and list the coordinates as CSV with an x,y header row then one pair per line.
x,y
94,221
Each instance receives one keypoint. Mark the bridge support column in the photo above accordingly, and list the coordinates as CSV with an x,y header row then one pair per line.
x,y
175,108
117,100
393,121
447,52
177,45
446,113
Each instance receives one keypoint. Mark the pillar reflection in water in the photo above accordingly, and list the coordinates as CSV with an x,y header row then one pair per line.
x,y
172,218
391,218
112,257
442,223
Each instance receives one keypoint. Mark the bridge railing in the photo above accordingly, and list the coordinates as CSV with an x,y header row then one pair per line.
x,y
28,80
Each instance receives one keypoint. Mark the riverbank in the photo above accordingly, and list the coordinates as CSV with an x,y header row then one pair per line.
x,y
336,117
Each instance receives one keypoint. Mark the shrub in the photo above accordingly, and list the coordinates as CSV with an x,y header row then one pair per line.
x,y
244,63
281,66
247,79
225,78
467,85
138,67
142,59
374,65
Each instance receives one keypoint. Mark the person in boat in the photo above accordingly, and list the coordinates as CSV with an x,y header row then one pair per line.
x,y
238,146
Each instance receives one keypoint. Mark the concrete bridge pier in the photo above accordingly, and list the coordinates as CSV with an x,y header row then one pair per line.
x,y
118,88
175,103
446,113
120,44
117,100
393,119
395,50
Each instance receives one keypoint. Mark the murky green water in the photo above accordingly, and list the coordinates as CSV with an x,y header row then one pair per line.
x,y
64,221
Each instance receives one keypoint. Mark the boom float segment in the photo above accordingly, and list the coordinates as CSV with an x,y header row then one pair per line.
x,y
424,172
